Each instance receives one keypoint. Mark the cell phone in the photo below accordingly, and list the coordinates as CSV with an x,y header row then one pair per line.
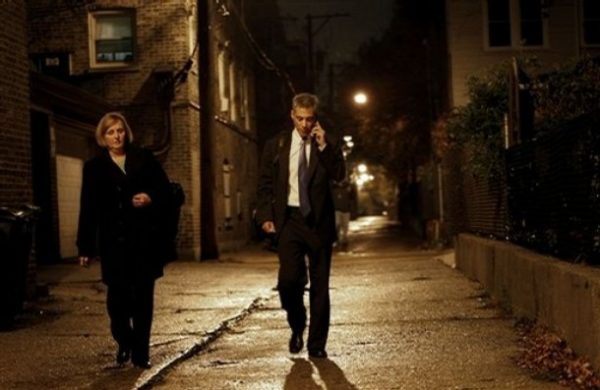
x,y
315,125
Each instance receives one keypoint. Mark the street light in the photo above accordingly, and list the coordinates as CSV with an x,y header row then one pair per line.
x,y
363,176
347,145
360,98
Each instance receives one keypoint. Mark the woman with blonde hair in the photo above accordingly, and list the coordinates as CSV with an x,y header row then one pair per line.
x,y
123,198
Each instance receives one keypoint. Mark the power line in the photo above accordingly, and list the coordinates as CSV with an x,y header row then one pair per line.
x,y
263,59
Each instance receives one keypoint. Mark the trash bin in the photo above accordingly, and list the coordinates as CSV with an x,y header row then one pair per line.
x,y
16,236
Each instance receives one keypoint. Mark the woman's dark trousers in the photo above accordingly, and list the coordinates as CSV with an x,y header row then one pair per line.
x,y
130,308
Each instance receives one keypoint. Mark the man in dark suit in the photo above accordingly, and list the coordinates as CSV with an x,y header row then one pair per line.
x,y
295,205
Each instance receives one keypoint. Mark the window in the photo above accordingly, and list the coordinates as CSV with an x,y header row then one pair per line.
x,y
112,38
243,97
246,102
223,77
192,27
499,23
233,92
591,22
514,23
532,26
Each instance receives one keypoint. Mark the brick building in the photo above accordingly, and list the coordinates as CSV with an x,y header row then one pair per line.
x,y
182,73
15,140
232,135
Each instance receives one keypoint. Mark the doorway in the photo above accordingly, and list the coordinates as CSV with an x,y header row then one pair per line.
x,y
43,171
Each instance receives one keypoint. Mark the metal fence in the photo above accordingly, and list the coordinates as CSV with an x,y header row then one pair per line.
x,y
548,201
472,204
553,191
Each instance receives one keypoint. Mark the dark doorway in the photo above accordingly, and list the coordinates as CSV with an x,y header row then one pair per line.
x,y
46,239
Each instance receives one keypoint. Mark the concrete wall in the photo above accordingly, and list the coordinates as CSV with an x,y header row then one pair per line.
x,y
563,296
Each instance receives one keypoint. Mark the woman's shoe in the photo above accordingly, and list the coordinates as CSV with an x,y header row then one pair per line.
x,y
123,355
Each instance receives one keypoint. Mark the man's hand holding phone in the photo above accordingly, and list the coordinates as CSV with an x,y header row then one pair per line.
x,y
319,135
268,227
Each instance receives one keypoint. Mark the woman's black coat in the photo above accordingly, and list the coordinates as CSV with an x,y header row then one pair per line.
x,y
130,241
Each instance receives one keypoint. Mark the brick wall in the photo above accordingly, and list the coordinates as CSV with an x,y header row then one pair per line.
x,y
232,139
15,139
183,166
163,42
165,36
15,136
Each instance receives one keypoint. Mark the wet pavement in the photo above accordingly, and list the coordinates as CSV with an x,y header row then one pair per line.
x,y
401,319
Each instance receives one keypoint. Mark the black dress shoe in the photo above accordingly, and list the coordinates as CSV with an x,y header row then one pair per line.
x,y
296,342
145,364
123,355
317,353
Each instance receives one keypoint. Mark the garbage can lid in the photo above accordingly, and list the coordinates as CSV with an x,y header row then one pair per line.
x,y
7,213
26,211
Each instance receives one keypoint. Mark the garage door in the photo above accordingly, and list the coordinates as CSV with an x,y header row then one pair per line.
x,y
68,172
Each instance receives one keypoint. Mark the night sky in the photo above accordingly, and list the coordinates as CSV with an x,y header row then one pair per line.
x,y
341,36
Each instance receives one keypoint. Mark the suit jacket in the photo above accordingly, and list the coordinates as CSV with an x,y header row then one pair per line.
x,y
130,241
273,183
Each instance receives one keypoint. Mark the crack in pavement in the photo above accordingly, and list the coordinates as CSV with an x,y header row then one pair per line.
x,y
200,346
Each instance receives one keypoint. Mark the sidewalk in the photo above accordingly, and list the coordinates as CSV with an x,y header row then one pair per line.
x,y
401,319
63,341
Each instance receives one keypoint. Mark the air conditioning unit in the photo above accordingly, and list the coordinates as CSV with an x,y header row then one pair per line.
x,y
53,64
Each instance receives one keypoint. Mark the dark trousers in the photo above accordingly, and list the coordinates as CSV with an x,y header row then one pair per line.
x,y
130,309
297,241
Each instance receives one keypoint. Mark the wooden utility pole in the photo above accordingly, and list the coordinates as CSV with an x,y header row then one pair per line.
x,y
208,237
310,35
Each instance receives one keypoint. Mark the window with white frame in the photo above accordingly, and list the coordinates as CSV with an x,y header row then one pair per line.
x,y
514,23
112,38
591,22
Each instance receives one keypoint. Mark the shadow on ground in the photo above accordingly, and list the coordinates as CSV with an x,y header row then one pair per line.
x,y
301,375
